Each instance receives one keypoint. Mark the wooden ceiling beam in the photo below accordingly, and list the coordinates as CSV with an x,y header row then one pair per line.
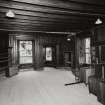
x,y
36,31
40,29
90,2
45,26
50,15
23,21
63,3
34,14
73,8
48,19
43,15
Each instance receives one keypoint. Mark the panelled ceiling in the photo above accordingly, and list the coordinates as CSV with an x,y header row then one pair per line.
x,y
51,15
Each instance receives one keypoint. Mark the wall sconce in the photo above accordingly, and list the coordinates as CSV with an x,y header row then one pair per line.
x,y
10,14
98,21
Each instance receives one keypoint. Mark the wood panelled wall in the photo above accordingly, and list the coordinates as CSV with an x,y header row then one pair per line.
x,y
79,46
40,40
50,16
99,43
13,45
99,35
3,40
59,41
3,51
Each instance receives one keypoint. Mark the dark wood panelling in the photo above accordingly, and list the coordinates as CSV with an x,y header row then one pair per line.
x,y
99,34
3,40
14,51
50,16
49,19
60,43
41,40
40,27
43,21
62,3
47,40
52,7
38,58
96,2
54,16
3,51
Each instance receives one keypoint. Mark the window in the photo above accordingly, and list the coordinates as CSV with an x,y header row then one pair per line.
x,y
25,52
87,51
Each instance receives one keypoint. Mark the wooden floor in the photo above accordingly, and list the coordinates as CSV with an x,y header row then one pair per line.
x,y
44,88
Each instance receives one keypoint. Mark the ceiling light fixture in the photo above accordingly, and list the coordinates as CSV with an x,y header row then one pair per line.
x,y
98,21
68,39
10,14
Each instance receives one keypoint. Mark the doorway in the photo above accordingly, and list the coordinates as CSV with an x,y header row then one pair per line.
x,y
68,59
50,56
25,53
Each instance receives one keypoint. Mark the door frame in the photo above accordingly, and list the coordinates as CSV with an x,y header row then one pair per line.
x,y
33,48
44,56
69,62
